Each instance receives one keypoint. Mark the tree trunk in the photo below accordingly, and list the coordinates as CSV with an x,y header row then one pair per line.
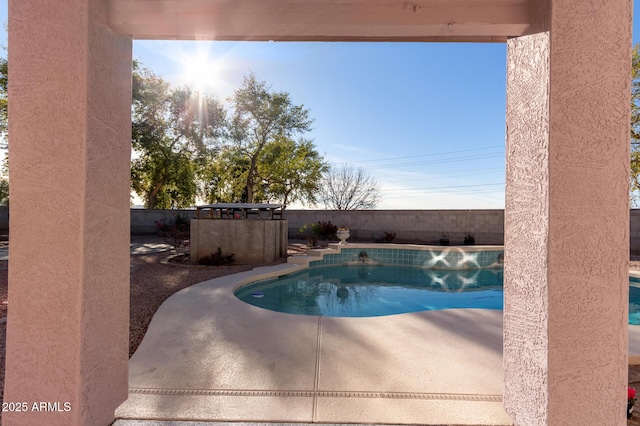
x,y
286,199
152,195
252,171
250,182
249,192
151,200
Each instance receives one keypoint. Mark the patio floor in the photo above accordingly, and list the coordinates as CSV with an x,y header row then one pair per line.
x,y
207,356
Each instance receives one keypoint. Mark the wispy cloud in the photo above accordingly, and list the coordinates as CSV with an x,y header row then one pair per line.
x,y
414,190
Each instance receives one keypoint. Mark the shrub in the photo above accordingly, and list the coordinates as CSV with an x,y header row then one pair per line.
x,y
387,237
161,226
311,233
175,222
326,230
216,259
181,221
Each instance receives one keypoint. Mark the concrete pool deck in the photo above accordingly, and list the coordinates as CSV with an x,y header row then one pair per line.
x,y
209,356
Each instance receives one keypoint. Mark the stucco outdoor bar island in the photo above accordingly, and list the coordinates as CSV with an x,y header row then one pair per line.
x,y
254,233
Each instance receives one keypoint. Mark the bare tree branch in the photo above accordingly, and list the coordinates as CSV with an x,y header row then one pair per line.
x,y
348,188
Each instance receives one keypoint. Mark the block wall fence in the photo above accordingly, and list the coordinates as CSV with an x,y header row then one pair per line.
x,y
418,226
410,226
415,226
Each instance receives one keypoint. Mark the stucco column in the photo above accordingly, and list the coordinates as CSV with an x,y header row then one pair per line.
x,y
567,217
70,135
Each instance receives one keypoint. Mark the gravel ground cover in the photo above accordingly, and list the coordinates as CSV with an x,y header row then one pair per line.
x,y
153,282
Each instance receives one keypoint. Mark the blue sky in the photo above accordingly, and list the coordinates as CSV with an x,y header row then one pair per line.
x,y
427,116
426,120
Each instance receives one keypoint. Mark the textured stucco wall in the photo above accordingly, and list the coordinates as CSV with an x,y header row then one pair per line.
x,y
70,132
252,241
567,217
589,172
527,230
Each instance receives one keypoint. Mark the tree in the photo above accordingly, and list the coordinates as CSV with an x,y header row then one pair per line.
x,y
261,116
4,116
291,171
165,179
223,177
171,128
348,188
635,125
4,131
4,191
287,171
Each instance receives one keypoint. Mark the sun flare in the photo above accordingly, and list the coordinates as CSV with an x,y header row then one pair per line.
x,y
206,72
199,71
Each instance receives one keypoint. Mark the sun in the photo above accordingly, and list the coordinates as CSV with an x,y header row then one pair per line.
x,y
207,67
201,72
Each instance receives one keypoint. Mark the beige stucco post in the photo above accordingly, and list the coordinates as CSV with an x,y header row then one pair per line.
x,y
566,218
70,135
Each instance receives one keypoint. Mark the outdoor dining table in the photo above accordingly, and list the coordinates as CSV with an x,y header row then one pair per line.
x,y
239,211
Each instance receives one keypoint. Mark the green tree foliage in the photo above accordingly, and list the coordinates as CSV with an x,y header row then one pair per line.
x,y
4,131
291,171
260,117
4,191
635,126
4,115
287,171
177,135
171,129
224,177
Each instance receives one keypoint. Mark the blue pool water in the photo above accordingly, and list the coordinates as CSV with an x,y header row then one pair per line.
x,y
372,290
634,301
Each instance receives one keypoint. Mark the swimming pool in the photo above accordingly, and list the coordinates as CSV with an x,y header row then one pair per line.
x,y
373,290
377,280
634,300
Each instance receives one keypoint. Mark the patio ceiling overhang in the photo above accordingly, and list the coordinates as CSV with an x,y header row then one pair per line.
x,y
322,20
